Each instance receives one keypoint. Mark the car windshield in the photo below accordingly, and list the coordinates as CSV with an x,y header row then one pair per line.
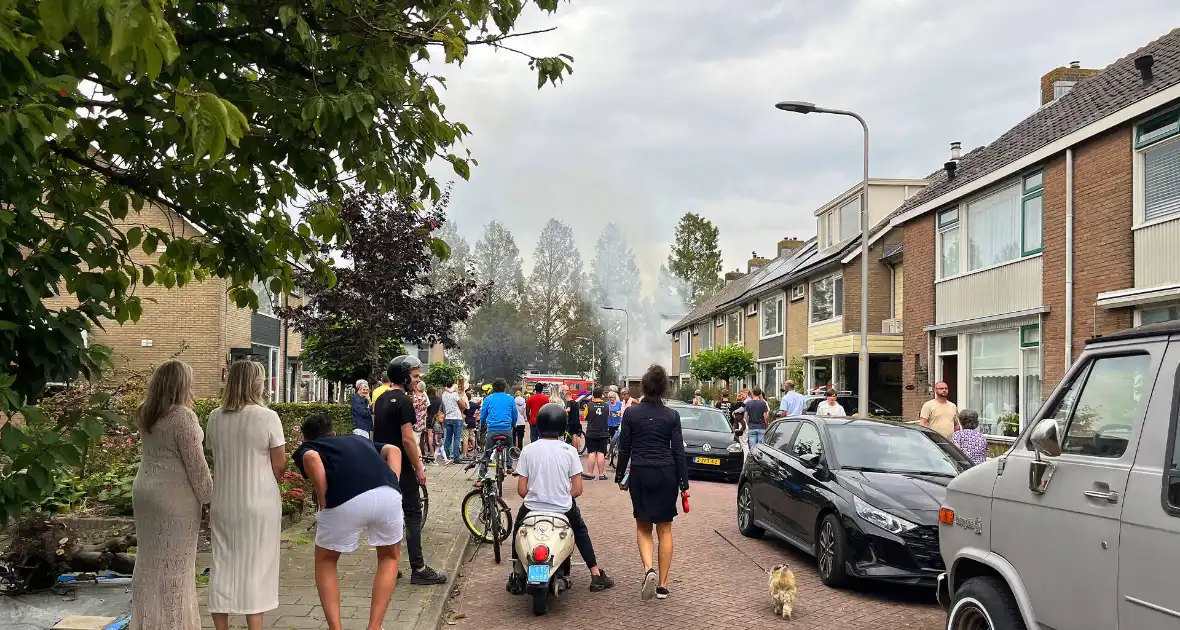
x,y
703,419
886,448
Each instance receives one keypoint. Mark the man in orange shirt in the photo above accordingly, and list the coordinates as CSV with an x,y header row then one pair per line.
x,y
532,406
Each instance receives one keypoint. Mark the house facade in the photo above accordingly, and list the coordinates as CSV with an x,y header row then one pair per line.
x,y
794,305
1064,228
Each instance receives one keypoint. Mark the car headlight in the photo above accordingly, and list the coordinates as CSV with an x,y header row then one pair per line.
x,y
881,518
736,447
686,445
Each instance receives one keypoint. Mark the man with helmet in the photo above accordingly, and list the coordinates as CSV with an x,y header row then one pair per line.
x,y
550,478
393,423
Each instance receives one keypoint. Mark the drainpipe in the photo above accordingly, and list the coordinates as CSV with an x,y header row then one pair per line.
x,y
1068,260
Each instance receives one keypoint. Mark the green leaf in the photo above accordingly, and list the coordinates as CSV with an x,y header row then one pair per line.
x,y
153,60
11,438
287,13
53,18
134,236
149,275
149,243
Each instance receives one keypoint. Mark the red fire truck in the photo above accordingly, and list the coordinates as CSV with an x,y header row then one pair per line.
x,y
578,385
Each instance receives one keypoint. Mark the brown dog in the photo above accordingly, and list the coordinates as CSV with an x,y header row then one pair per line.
x,y
782,590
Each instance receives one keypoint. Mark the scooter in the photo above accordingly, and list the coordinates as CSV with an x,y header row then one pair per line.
x,y
544,546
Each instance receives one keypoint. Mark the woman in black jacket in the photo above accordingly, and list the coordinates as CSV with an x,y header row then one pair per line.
x,y
650,441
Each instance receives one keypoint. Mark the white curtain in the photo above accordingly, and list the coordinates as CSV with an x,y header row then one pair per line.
x,y
993,365
993,229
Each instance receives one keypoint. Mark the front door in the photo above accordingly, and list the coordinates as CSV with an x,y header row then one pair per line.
x,y
1148,576
1064,543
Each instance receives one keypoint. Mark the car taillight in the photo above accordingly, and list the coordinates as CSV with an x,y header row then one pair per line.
x,y
540,553
946,516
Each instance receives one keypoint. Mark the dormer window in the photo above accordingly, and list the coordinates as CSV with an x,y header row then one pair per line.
x,y
841,224
850,219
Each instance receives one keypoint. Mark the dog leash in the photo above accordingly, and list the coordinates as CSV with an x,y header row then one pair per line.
x,y
764,569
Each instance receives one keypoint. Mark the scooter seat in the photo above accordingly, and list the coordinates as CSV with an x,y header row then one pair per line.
x,y
533,517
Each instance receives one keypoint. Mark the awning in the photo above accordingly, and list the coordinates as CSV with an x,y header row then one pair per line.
x,y
1134,297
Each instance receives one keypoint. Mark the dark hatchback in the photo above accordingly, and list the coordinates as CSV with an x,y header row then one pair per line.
x,y
862,496
710,448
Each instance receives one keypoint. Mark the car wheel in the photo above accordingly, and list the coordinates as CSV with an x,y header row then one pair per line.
x,y
831,549
746,513
984,603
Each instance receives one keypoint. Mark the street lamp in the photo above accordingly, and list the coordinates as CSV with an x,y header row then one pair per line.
x,y
593,352
862,395
627,347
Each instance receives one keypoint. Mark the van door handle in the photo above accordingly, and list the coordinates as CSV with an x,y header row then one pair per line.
x,y
1109,497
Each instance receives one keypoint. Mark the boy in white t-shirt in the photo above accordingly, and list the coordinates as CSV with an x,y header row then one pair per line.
x,y
550,478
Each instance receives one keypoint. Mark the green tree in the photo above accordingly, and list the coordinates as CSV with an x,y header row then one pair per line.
x,y
498,342
553,293
441,373
222,115
728,363
338,354
696,258
497,264
796,371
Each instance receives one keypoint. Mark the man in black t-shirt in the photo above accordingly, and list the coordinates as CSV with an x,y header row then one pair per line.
x,y
393,423
356,487
574,420
597,435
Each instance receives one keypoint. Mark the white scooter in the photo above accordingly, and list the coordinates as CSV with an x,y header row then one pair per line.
x,y
544,545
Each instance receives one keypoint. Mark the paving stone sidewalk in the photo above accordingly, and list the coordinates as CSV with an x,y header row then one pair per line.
x,y
444,538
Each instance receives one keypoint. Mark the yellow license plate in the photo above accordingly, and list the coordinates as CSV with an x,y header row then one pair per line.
x,y
713,461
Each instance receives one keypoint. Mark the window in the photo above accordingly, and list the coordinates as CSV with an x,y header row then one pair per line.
x,y
798,292
719,321
685,343
779,435
807,441
733,328
1031,211
705,339
948,243
994,229
1061,88
751,309
1161,180
1158,128
827,298
266,303
1004,377
1104,405
826,229
1159,314
821,373
948,344
772,316
850,219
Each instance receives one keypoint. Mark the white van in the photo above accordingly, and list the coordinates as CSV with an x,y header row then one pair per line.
x,y
1077,526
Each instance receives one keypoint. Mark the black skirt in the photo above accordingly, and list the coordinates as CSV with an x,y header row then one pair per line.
x,y
654,491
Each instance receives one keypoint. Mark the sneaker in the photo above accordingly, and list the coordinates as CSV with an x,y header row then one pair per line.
x,y
602,477
649,585
661,593
427,576
600,582
586,477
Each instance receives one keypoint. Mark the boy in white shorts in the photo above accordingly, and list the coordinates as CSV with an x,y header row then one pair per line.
x,y
356,488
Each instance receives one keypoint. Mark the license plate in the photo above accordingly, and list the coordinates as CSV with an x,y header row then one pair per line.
x,y
539,574
712,461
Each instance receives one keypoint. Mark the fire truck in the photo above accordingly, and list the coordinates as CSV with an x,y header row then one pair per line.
x,y
578,385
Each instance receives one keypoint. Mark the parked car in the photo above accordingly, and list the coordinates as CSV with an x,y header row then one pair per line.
x,y
710,447
1076,526
848,401
862,496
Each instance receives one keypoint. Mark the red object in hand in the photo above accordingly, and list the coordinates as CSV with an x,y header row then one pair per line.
x,y
684,500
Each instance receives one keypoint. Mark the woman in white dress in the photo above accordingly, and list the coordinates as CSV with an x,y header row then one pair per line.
x,y
246,513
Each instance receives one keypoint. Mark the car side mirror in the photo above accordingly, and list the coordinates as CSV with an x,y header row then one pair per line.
x,y
1044,438
810,460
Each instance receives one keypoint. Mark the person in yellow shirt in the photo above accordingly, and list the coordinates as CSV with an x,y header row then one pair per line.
x,y
380,389
940,414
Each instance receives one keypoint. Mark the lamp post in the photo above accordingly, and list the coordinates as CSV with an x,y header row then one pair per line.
x,y
862,395
593,363
627,347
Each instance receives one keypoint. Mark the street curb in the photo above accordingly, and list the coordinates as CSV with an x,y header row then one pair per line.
x,y
438,608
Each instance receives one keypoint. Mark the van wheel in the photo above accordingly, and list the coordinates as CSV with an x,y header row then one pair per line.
x,y
984,603
746,513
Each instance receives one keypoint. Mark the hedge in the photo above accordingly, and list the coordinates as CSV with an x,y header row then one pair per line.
x,y
291,415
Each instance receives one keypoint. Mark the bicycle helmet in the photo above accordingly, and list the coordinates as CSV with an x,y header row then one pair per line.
x,y
551,420
400,369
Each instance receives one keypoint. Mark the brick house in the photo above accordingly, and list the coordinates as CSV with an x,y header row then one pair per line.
x,y
794,305
199,324
1065,227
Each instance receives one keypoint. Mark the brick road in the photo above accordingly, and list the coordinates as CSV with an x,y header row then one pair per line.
x,y
712,584
443,541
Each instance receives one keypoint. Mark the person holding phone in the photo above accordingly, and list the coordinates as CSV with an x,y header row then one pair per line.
x,y
651,443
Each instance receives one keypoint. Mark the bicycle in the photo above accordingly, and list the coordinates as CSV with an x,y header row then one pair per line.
x,y
612,452
491,521
568,438
498,458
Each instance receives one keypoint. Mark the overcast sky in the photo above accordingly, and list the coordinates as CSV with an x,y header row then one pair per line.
x,y
670,107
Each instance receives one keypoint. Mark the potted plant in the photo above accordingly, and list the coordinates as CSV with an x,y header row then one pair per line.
x,y
1011,423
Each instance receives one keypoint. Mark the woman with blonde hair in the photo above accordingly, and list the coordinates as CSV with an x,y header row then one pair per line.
x,y
246,514
172,484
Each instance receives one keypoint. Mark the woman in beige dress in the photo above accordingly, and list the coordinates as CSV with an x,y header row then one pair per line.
x,y
246,514
171,486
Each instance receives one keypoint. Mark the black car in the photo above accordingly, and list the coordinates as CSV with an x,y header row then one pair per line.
x,y
710,447
862,496
847,401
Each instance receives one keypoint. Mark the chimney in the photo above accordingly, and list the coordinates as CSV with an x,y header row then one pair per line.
x,y
788,246
730,276
1059,81
956,151
1143,64
755,263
